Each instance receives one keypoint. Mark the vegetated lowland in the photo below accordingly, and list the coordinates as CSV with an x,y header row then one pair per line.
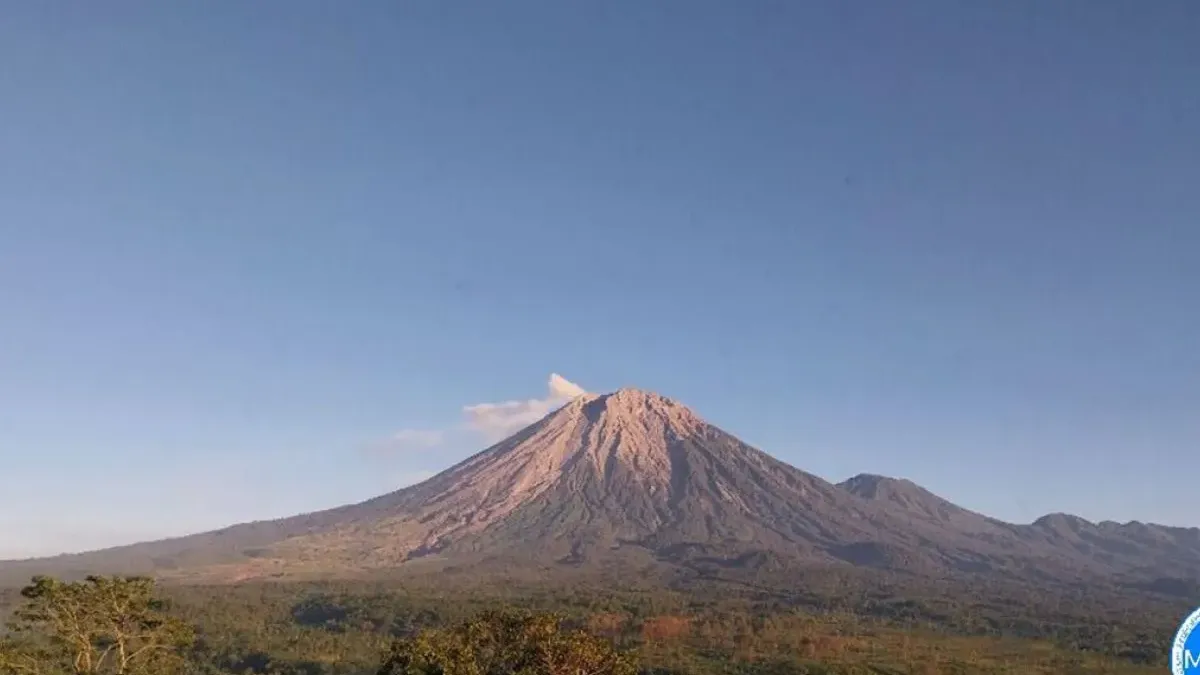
x,y
831,622
653,533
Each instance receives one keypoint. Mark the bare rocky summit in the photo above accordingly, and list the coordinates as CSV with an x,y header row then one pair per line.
x,y
632,475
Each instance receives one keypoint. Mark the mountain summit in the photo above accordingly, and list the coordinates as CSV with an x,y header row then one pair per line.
x,y
633,475
626,469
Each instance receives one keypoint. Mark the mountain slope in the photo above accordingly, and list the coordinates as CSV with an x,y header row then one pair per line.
x,y
1056,543
633,476
905,499
629,469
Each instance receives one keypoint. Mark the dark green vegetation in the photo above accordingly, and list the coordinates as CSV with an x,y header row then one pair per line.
x,y
831,623
99,625
498,642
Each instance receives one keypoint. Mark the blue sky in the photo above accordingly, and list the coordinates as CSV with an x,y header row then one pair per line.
x,y
256,258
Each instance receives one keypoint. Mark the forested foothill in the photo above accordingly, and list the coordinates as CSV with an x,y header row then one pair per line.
x,y
832,625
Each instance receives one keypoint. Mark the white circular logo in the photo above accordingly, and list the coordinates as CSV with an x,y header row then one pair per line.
x,y
1185,650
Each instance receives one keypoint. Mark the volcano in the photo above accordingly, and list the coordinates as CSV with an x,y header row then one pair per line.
x,y
633,474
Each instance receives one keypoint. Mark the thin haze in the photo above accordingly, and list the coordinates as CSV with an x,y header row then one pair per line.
x,y
262,258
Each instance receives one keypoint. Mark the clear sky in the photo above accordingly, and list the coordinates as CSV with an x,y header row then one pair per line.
x,y
257,257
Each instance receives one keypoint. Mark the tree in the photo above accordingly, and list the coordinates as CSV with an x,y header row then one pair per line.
x,y
505,643
100,626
